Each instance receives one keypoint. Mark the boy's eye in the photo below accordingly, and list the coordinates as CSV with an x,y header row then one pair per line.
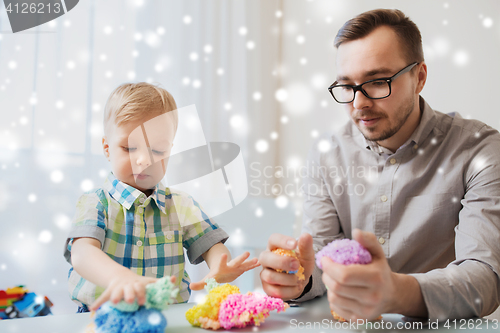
x,y
157,152
128,149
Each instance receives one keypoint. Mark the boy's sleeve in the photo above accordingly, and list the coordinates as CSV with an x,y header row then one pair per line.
x,y
90,220
200,233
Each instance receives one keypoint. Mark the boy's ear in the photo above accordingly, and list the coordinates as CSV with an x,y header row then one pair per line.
x,y
105,147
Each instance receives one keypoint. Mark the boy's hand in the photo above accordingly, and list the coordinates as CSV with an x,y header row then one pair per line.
x,y
128,288
227,272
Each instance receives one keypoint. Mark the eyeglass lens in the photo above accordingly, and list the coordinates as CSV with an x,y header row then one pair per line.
x,y
374,89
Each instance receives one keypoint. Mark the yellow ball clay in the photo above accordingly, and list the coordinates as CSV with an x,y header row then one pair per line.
x,y
290,253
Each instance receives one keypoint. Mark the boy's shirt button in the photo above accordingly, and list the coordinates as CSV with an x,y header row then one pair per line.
x,y
139,243
141,200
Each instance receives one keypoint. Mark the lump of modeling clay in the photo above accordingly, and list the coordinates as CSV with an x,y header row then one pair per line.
x,y
290,253
345,252
132,318
226,307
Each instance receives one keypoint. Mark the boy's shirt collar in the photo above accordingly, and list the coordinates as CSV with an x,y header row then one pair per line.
x,y
127,195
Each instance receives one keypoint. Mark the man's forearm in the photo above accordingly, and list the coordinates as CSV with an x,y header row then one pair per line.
x,y
470,288
408,297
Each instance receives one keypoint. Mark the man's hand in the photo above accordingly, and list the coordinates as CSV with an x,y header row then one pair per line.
x,y
367,291
128,287
227,272
283,285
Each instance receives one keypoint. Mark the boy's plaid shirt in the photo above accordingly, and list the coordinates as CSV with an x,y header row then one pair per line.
x,y
145,234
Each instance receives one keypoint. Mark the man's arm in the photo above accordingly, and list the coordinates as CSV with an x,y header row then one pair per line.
x,y
320,218
367,291
320,226
470,285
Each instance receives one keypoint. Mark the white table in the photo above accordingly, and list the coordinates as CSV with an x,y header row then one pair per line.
x,y
295,319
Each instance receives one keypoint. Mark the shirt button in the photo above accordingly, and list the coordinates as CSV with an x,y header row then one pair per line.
x,y
139,243
415,146
141,200
383,198
381,240
169,236
393,161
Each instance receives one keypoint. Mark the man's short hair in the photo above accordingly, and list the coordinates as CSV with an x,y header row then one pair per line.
x,y
406,30
135,101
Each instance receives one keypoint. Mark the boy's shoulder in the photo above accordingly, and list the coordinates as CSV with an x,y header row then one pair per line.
x,y
177,195
98,197
180,198
95,194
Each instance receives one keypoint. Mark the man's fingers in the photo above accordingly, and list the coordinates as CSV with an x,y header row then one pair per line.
x,y
282,292
281,241
278,279
355,293
306,250
346,314
306,253
369,241
350,275
275,261
350,308
343,303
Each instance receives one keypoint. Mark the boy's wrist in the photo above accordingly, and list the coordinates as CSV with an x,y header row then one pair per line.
x,y
117,274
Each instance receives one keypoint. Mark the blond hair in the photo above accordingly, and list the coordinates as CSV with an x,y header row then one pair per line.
x,y
135,101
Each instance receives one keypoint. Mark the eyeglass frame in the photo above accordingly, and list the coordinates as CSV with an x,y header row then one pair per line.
x,y
358,87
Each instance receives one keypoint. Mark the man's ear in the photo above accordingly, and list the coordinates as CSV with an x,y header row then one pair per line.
x,y
105,147
421,77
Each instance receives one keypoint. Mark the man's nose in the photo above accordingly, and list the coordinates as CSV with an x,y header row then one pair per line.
x,y
361,101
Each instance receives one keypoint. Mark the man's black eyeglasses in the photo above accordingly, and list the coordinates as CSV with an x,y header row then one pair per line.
x,y
373,89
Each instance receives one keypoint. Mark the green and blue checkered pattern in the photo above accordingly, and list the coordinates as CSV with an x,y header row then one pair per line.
x,y
144,234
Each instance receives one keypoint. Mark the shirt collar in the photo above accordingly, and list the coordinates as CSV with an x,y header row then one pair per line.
x,y
420,133
127,195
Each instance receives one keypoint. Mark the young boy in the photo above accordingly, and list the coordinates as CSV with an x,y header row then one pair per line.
x,y
132,231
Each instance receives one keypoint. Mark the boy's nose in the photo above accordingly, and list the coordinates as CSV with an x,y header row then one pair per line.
x,y
143,159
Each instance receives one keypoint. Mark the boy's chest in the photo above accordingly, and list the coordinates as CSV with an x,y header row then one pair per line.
x,y
141,226
141,216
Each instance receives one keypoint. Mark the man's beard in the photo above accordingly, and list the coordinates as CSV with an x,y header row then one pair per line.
x,y
402,116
